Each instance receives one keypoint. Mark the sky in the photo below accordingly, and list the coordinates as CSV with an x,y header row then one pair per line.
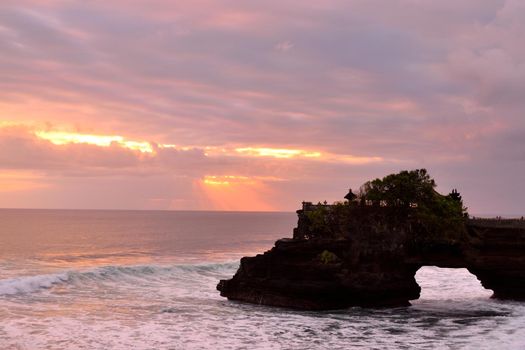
x,y
258,105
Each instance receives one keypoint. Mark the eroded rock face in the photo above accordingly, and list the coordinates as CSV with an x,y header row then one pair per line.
x,y
371,261
496,255
317,275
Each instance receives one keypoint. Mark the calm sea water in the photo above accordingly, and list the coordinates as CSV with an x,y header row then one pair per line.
x,y
146,280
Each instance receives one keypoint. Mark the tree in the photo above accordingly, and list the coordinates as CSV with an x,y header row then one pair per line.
x,y
411,195
400,190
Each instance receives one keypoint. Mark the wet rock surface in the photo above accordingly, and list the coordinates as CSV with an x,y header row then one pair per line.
x,y
371,261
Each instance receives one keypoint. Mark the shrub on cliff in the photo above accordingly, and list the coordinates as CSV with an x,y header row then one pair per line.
x,y
323,221
411,196
403,189
405,203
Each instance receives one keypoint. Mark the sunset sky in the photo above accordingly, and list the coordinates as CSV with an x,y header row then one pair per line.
x,y
258,105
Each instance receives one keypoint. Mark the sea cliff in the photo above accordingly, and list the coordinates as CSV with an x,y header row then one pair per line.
x,y
364,252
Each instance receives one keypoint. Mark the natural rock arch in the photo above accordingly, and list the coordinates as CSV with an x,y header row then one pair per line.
x,y
292,274
442,283
366,252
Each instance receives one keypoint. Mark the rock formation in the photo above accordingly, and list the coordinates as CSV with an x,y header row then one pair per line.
x,y
496,255
366,253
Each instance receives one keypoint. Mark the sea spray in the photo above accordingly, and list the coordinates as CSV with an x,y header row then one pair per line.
x,y
131,274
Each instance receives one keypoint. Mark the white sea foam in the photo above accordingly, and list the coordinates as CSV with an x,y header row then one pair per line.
x,y
165,306
28,284
177,307
130,274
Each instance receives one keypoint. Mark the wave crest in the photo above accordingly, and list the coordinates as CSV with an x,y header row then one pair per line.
x,y
28,284
130,274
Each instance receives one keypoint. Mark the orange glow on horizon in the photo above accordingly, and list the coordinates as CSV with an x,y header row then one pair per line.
x,y
231,192
20,181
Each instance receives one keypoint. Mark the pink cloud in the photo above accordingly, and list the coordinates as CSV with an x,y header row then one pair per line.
x,y
435,84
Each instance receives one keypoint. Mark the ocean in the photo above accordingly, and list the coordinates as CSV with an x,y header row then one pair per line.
x,y
90,279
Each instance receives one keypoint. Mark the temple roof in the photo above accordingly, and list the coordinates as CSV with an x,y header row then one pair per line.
x,y
350,195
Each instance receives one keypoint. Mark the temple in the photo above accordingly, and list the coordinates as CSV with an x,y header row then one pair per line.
x,y
366,250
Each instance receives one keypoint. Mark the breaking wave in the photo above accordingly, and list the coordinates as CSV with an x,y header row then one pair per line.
x,y
131,274
28,284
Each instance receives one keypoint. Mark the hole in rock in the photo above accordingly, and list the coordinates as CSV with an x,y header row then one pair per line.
x,y
449,284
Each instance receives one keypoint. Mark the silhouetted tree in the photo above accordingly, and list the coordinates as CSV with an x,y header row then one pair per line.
x,y
401,189
411,195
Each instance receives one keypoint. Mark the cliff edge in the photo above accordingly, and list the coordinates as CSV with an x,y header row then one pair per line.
x,y
366,251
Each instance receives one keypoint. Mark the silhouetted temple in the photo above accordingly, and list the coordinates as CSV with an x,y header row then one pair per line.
x,y
350,196
349,254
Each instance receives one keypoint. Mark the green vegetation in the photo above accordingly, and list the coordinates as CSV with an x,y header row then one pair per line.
x,y
403,202
400,190
318,219
411,195
328,257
